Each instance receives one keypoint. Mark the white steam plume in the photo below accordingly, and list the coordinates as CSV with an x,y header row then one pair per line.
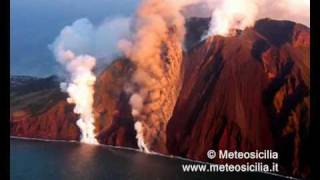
x,y
77,49
228,15
80,90
100,41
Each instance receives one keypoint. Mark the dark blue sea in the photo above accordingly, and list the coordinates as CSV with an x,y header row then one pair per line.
x,y
54,160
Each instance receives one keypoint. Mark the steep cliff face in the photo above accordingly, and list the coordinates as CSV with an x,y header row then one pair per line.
x,y
162,95
114,122
245,93
38,109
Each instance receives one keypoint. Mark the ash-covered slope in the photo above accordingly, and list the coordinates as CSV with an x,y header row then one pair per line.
x,y
245,93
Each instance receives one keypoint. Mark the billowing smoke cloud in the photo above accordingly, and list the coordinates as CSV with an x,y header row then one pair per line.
x,y
228,15
78,48
233,14
82,37
80,89
294,10
155,48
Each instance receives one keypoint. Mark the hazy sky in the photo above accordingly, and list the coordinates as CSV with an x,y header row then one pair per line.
x,y
36,23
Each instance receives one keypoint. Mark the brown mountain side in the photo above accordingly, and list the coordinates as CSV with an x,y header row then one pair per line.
x,y
39,110
245,93
114,123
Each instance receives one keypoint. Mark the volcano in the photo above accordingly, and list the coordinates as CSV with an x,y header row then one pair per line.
x,y
244,92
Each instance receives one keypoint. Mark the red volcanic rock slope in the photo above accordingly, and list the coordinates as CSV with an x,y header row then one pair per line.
x,y
39,110
114,123
246,92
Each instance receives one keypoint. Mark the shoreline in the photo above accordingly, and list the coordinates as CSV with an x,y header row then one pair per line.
x,y
137,150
